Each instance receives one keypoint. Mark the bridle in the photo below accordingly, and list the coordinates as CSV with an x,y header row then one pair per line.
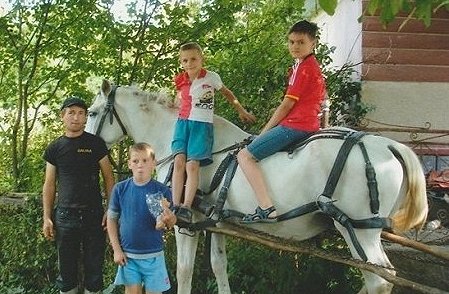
x,y
110,110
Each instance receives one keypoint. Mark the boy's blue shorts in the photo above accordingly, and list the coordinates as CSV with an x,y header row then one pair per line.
x,y
151,272
195,139
275,140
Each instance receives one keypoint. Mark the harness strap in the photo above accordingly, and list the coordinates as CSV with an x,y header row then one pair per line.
x,y
340,161
327,207
219,174
235,146
371,181
223,195
110,110
298,211
169,173
372,223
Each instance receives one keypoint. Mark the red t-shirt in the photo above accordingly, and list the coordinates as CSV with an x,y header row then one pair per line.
x,y
306,86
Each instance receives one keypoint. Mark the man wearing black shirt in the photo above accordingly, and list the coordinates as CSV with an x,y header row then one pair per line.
x,y
73,162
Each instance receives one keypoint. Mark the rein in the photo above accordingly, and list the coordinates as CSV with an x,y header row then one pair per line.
x,y
235,146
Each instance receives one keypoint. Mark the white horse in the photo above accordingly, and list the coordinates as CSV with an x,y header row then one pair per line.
x,y
294,180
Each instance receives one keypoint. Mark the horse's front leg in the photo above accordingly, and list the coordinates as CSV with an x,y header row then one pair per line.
x,y
186,251
219,263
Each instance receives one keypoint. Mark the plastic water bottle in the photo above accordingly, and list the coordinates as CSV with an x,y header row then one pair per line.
x,y
433,225
154,204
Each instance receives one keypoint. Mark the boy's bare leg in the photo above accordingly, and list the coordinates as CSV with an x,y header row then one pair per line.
x,y
133,289
193,176
255,177
178,178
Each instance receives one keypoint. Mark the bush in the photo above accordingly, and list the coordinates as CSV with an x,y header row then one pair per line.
x,y
29,262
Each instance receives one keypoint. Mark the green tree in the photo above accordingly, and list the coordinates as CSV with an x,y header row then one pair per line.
x,y
48,49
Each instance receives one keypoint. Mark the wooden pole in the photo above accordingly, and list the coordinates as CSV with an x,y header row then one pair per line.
x,y
307,248
433,250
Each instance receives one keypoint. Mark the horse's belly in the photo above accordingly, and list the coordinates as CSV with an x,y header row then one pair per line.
x,y
298,229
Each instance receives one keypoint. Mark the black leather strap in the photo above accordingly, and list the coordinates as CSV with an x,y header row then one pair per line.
x,y
340,161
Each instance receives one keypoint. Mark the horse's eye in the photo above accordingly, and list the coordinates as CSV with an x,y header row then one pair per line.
x,y
92,113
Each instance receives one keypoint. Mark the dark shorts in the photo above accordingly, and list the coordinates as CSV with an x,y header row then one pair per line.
x,y
194,139
274,140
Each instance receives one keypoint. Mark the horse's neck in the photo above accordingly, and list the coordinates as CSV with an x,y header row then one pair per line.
x,y
152,124
226,133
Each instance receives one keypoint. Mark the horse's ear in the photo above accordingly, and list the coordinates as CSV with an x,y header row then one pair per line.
x,y
106,87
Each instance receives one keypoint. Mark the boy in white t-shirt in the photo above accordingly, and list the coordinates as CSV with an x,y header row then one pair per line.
x,y
193,136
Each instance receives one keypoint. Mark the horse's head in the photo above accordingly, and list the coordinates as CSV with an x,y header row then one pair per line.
x,y
103,119
144,116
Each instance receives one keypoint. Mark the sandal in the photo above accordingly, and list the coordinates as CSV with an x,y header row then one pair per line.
x,y
260,216
184,214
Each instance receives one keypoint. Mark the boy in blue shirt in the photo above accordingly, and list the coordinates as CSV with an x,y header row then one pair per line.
x,y
132,228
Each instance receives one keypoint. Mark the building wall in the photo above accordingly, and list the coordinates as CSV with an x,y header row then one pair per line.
x,y
405,76
406,51
405,71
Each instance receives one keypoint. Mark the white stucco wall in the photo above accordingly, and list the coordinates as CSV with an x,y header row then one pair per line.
x,y
408,104
343,31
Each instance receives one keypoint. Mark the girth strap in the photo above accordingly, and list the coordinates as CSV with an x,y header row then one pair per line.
x,y
298,211
325,202
222,169
217,208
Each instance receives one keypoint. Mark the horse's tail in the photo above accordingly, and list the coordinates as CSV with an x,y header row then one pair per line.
x,y
413,210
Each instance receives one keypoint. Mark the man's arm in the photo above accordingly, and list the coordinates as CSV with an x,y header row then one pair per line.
x,y
48,200
108,176
108,180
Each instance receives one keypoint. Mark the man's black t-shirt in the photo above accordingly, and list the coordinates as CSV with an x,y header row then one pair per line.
x,y
76,160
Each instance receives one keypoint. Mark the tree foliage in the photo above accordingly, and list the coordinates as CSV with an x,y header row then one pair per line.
x,y
47,51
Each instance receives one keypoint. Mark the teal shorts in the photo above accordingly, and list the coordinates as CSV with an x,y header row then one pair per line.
x,y
195,139
151,272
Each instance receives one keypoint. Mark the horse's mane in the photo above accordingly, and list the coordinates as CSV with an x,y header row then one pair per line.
x,y
161,96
